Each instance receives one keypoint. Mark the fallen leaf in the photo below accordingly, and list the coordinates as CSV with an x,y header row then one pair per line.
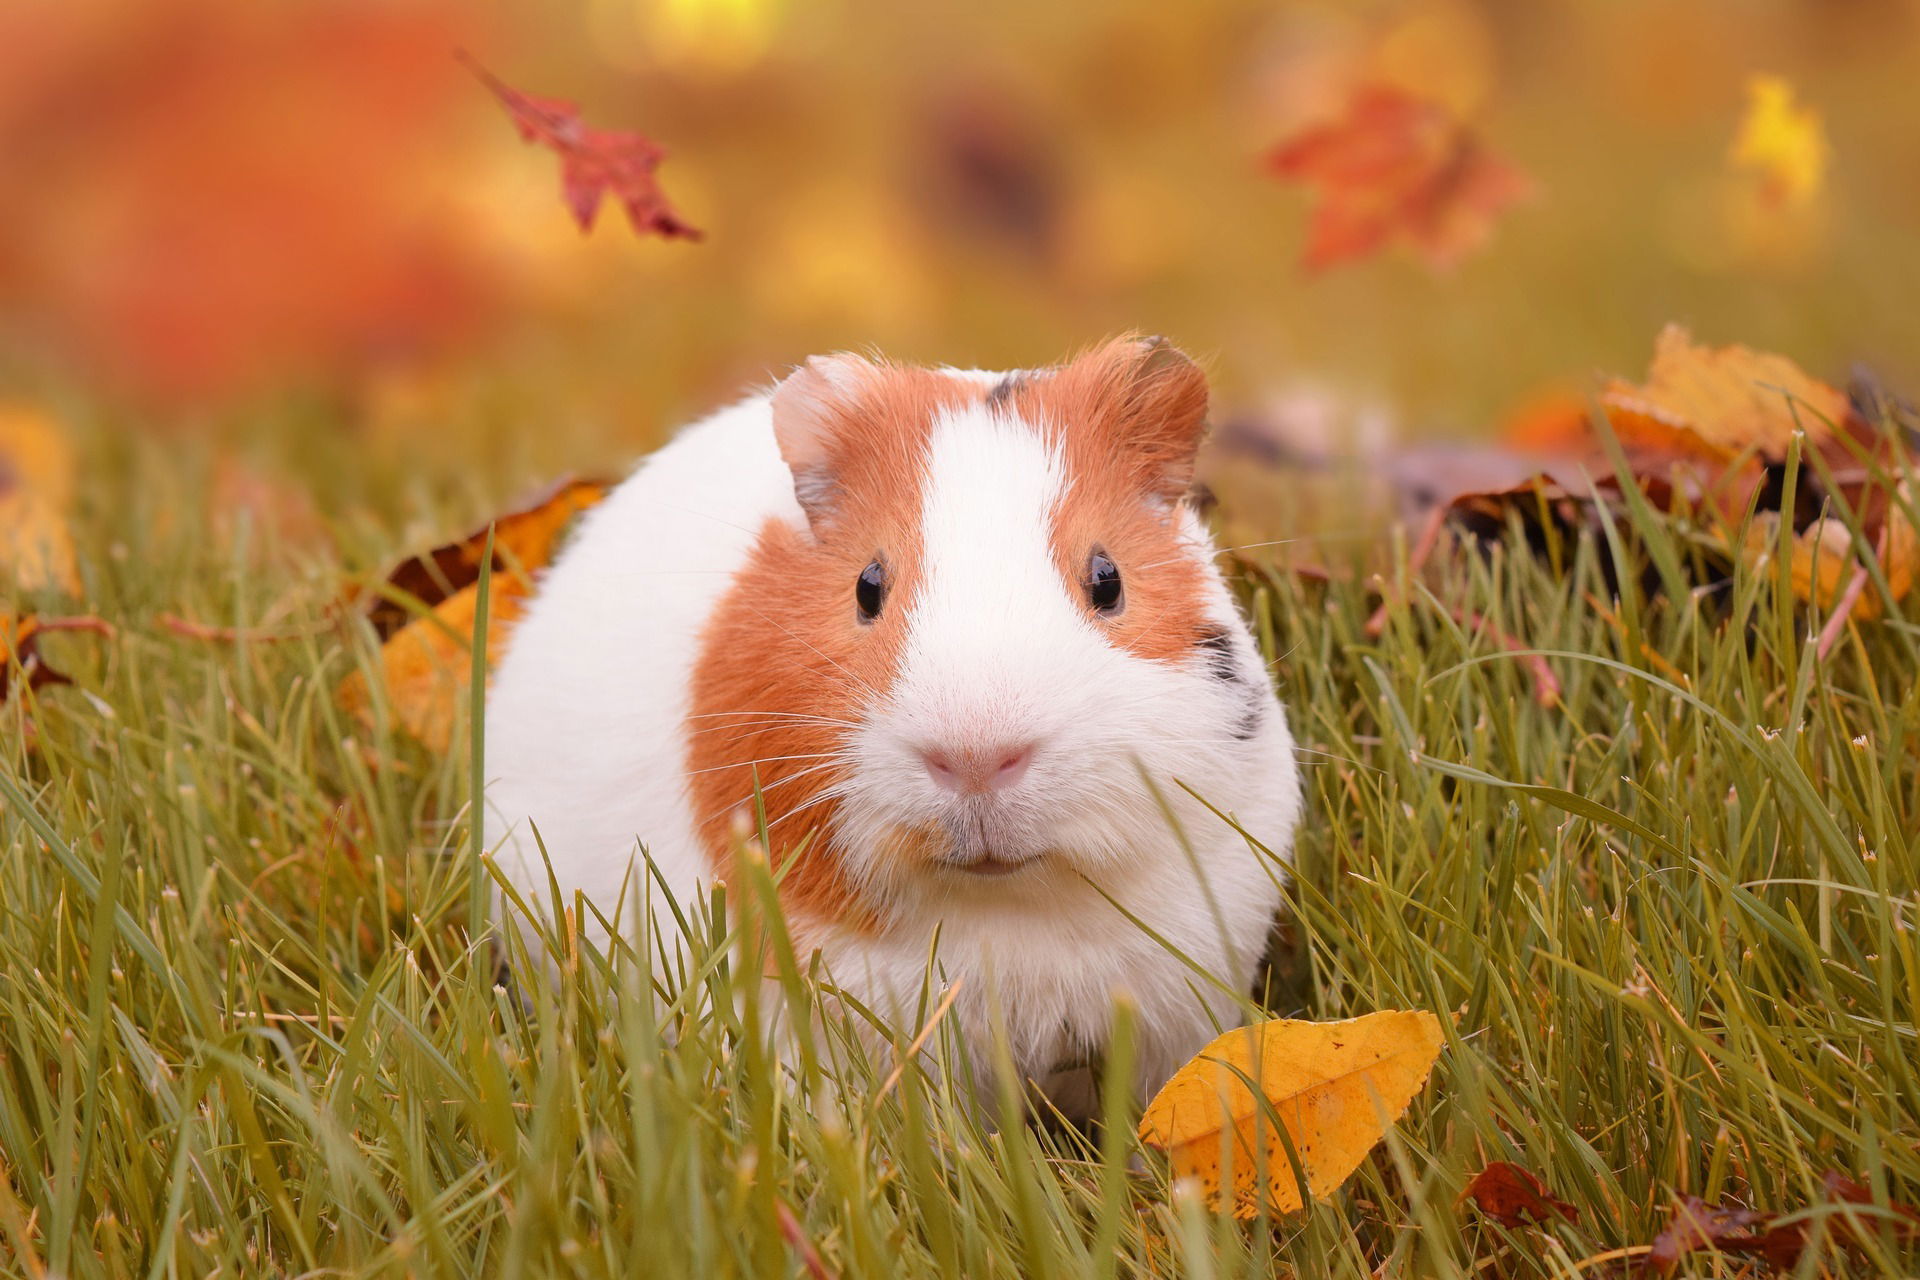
x,y
1697,1225
1397,166
1783,145
1840,1189
1821,562
426,666
525,539
1513,1196
1731,398
20,648
1781,1240
426,659
36,491
1334,1086
593,162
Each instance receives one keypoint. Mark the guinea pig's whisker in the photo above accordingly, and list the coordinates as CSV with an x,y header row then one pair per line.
x,y
764,616
777,715
1348,535
743,764
830,793
832,762
747,728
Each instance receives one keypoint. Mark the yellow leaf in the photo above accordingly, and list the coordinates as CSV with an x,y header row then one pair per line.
x,y
426,662
524,541
427,665
36,490
1783,144
1733,398
1335,1087
1823,560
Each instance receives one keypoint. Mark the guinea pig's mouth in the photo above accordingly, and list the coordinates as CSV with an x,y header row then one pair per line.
x,y
975,845
989,867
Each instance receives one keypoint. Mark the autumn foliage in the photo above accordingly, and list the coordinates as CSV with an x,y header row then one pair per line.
x,y
594,163
1397,168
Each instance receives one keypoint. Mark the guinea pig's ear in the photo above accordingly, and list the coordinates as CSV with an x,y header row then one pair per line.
x,y
1161,414
810,406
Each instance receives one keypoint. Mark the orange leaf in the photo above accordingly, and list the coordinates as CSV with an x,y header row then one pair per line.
x,y
426,667
593,162
1397,167
1512,1196
524,541
426,660
1733,398
1334,1086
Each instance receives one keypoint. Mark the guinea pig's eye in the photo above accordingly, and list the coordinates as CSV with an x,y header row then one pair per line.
x,y
870,591
1103,583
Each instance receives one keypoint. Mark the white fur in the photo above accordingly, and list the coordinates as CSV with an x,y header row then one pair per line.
x,y
586,736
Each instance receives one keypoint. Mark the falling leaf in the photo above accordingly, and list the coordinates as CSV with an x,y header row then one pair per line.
x,y
1781,143
1335,1087
593,162
1513,1196
36,490
1396,166
426,659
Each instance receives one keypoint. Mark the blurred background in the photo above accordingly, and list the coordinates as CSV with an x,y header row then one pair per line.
x,y
304,221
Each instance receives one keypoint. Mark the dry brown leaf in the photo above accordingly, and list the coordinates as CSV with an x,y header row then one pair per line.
x,y
426,662
1334,1086
1513,1196
20,648
36,492
1697,1225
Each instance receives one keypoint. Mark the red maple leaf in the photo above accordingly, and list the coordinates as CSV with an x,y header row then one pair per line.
x,y
1397,166
593,161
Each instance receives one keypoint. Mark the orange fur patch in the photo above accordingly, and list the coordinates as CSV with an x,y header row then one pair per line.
x,y
786,668
1129,434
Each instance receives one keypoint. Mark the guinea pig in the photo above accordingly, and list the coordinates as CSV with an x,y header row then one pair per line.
x,y
965,631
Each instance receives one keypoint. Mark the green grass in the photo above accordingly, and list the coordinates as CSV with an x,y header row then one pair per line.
x,y
1670,923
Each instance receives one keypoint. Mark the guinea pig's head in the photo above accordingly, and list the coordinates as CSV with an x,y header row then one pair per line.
x,y
1008,611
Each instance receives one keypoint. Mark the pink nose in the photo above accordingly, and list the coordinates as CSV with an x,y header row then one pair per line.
x,y
977,770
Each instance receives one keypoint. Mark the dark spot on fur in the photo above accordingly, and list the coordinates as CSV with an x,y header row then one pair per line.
x,y
1220,660
1005,389
1225,667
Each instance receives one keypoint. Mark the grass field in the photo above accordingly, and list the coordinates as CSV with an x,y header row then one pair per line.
x,y
1669,922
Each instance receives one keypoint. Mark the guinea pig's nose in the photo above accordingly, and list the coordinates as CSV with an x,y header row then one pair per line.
x,y
977,771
